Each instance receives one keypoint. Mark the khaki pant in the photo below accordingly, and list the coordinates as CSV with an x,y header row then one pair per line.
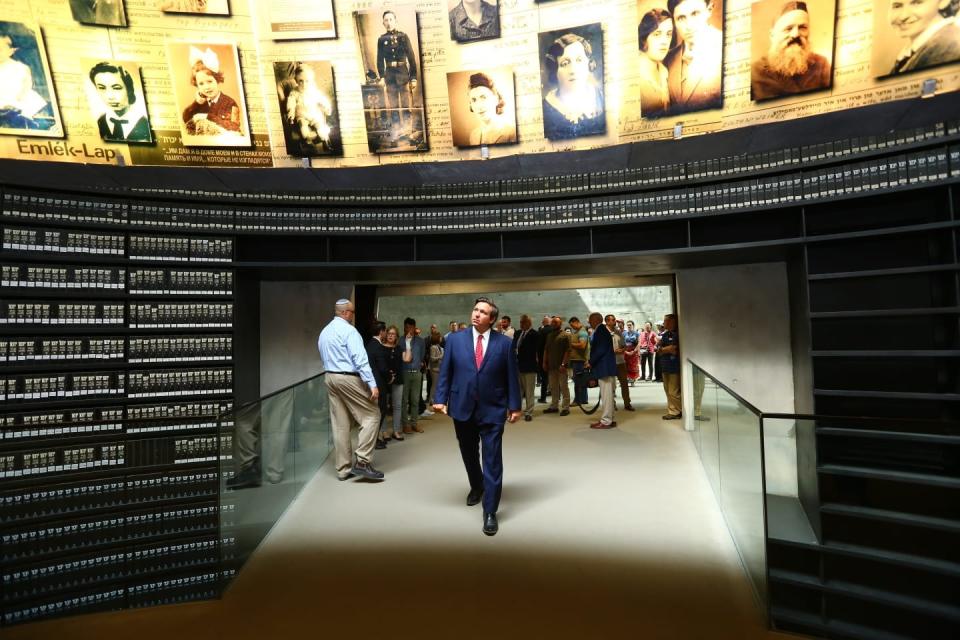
x,y
558,385
671,386
528,382
350,403
607,386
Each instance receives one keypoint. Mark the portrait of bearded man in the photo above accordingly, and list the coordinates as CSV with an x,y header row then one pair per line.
x,y
790,66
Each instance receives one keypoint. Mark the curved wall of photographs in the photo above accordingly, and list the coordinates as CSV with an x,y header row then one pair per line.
x,y
255,83
111,464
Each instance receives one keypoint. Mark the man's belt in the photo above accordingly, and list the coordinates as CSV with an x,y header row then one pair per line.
x,y
346,373
402,63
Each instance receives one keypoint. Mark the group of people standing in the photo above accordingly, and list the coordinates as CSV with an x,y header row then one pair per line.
x,y
482,378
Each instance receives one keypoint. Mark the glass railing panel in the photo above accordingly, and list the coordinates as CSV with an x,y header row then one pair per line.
x,y
742,492
271,449
728,434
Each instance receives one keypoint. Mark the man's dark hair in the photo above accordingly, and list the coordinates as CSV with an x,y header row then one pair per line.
x,y
507,318
109,67
672,5
378,327
574,319
608,316
409,322
386,12
495,312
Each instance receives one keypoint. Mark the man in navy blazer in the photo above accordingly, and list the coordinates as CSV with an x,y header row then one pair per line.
x,y
603,364
479,388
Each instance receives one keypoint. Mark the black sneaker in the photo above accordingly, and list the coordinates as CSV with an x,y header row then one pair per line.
x,y
366,470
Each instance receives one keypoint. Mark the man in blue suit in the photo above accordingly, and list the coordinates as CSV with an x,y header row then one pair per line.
x,y
603,364
479,388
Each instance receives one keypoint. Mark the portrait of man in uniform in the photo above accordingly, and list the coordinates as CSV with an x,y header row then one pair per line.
x,y
28,105
308,108
792,44
392,94
472,20
116,101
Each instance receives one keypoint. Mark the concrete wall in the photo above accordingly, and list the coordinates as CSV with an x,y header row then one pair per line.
x,y
735,324
640,304
292,315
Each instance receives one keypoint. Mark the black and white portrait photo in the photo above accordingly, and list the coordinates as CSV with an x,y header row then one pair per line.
x,y
482,107
308,108
393,90
792,44
28,104
472,20
571,74
910,35
105,13
115,95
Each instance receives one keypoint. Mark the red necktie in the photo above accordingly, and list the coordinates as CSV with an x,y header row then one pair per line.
x,y
478,354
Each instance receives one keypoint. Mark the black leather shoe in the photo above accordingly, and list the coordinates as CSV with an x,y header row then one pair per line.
x,y
565,412
671,416
527,418
551,410
474,497
490,526
366,470
381,444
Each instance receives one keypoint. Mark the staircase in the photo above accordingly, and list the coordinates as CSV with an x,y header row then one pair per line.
x,y
884,313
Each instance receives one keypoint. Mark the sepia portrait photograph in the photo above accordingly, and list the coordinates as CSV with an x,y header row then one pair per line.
x,y
791,47
104,13
393,105
472,20
205,7
115,94
655,39
910,35
209,94
571,80
28,104
482,107
308,108
680,46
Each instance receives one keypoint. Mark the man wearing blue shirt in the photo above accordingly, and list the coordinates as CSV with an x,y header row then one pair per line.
x,y
352,393
669,354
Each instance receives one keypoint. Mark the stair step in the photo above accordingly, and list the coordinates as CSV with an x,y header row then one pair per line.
x,y
934,438
892,395
832,628
864,592
885,515
887,474
893,557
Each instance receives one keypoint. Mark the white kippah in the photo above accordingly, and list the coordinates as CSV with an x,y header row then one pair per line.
x,y
343,301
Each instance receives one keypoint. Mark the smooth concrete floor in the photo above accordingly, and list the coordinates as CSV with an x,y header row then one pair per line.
x,y
603,534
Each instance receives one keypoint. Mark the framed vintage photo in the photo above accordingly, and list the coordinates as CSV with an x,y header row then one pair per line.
x,y
115,94
209,94
28,103
203,7
912,35
680,45
571,75
393,104
308,108
792,47
104,13
473,20
482,107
